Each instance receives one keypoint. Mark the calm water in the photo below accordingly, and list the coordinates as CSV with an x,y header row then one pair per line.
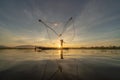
x,y
59,65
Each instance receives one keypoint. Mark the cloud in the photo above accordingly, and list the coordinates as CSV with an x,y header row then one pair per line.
x,y
94,20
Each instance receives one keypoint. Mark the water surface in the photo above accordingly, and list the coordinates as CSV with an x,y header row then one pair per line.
x,y
79,64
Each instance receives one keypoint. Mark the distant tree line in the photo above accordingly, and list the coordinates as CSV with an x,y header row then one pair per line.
x,y
101,47
41,47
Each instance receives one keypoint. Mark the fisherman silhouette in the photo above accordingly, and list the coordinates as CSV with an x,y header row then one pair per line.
x,y
61,43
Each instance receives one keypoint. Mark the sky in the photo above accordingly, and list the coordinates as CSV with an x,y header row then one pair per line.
x,y
95,22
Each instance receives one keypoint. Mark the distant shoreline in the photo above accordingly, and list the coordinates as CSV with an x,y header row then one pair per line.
x,y
56,48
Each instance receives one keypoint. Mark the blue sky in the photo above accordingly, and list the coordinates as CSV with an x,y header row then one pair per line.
x,y
96,22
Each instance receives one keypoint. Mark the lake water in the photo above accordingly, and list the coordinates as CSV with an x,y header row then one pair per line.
x,y
78,64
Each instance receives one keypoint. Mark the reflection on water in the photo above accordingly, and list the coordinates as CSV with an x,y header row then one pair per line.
x,y
61,53
14,56
60,64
